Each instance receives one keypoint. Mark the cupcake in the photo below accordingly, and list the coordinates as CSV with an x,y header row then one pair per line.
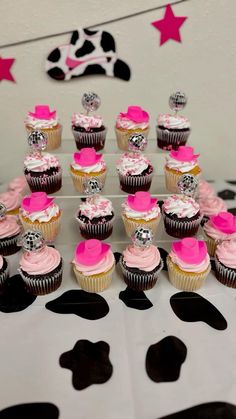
x,y
220,227
89,130
4,272
135,120
141,261
87,164
205,189
140,210
39,212
211,206
135,172
9,233
188,264
180,162
93,265
225,262
181,215
11,200
47,121
18,185
95,217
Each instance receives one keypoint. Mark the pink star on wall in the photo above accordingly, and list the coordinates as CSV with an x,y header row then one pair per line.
x,y
169,26
5,67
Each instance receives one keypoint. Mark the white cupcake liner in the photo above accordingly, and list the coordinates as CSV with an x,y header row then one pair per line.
x,y
181,229
8,246
225,275
140,281
53,136
186,281
132,225
45,285
4,275
49,230
90,139
137,183
94,283
80,181
171,139
122,136
172,179
48,184
99,231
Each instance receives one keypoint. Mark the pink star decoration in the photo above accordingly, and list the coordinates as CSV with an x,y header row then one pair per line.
x,y
5,67
169,26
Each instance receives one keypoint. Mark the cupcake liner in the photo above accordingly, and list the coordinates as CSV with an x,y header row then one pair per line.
x,y
140,281
131,225
171,140
132,184
53,136
8,245
49,184
4,273
225,275
94,283
181,229
172,179
79,181
14,211
185,281
122,136
90,139
99,231
49,229
211,245
44,285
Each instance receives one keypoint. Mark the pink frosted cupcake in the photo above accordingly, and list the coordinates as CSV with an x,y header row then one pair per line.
x,y
47,121
205,189
180,162
140,210
225,260
93,265
135,172
9,233
4,272
11,200
219,228
188,264
135,120
18,185
211,206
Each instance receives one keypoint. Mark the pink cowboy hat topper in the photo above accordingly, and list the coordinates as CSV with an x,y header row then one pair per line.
x,y
136,114
87,157
184,153
90,252
190,250
43,112
225,222
37,201
141,201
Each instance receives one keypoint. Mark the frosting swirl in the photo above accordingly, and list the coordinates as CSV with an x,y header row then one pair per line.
x,y
9,227
184,266
181,206
140,215
126,123
181,166
40,163
176,122
104,265
96,206
41,262
18,184
216,234
145,259
212,205
42,216
37,123
226,253
94,168
11,199
205,189
86,121
133,164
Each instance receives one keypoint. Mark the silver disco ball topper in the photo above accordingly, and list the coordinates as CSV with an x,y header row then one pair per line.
x,y
187,185
32,241
91,101
92,186
137,142
177,101
3,211
142,237
37,140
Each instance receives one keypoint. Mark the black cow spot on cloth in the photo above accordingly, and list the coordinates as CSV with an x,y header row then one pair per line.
x,y
87,48
55,55
30,411
89,363
74,38
164,255
89,32
93,69
192,307
84,304
226,194
212,410
15,297
56,73
232,182
232,210
107,42
117,256
122,70
135,299
165,358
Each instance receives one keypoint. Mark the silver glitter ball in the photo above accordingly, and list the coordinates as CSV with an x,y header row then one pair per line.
x,y
3,211
187,185
177,101
91,101
142,237
37,140
137,142
32,241
92,186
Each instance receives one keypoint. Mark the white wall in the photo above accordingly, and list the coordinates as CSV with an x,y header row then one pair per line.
x,y
203,66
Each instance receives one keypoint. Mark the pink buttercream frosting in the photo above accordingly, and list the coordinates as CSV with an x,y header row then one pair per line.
x,y
133,164
226,253
11,199
190,267
41,262
145,259
1,262
212,205
205,189
216,233
86,121
40,163
9,227
134,118
104,265
18,184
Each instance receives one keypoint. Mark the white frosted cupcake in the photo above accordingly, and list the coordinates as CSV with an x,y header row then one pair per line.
x,y
135,172
172,131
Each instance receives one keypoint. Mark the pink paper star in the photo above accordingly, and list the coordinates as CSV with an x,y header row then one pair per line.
x,y
5,66
169,26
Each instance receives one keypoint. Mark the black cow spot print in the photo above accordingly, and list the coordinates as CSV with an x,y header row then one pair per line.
x,y
15,297
56,73
226,194
74,38
135,299
89,363
84,304
232,210
94,69
122,70
55,55
192,307
164,255
87,48
89,32
232,182
165,358
117,256
30,411
216,410
107,42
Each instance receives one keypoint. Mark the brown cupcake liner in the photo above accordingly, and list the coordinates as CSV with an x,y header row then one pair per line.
x,y
181,229
122,136
49,184
8,245
225,275
53,136
90,139
132,184
94,283
140,281
171,140
185,281
4,274
131,225
49,229
79,181
172,179
46,284
99,231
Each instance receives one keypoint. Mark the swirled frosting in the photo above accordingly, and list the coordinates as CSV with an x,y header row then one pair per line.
x,y
181,206
212,205
41,262
86,121
226,253
205,189
36,123
94,168
140,215
18,184
9,227
1,262
132,164
145,259
104,265
216,234
42,216
126,123
40,163
11,200
187,267
96,206
169,121
180,166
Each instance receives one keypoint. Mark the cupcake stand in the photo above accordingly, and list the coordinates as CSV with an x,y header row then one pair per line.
x,y
196,366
